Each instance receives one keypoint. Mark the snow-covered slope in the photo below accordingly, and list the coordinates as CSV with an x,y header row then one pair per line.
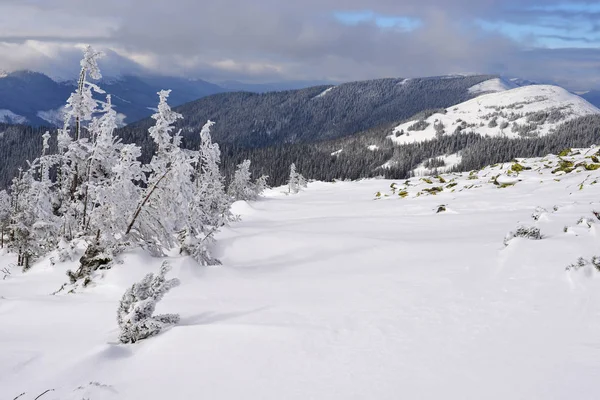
x,y
331,294
493,86
520,112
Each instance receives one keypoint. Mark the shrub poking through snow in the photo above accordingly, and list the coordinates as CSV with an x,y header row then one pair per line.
x,y
582,263
138,304
538,212
527,232
441,208
95,257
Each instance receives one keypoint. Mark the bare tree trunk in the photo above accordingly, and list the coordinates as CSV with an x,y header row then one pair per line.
x,y
143,203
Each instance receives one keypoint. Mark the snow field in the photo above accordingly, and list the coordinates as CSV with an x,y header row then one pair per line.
x,y
334,293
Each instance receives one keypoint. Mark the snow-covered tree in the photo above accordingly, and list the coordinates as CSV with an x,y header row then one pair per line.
x,y
74,147
209,209
33,224
296,181
28,233
4,215
135,314
241,186
163,206
105,154
261,184
115,200
212,201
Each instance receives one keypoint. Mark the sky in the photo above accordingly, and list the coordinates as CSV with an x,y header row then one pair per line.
x,y
327,40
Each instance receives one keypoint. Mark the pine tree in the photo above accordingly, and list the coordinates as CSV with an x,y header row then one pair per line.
x,y
241,186
209,205
162,206
75,150
296,181
135,313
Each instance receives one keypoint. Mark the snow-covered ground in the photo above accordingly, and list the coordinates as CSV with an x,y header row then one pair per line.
x,y
535,110
450,161
339,293
493,85
324,92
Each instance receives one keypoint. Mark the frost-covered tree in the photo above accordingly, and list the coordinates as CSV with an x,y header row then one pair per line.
x,y
209,209
105,154
33,225
115,200
296,181
75,147
241,186
163,205
261,184
135,314
212,201
4,215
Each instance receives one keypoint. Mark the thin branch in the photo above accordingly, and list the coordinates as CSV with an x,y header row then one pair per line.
x,y
143,203
49,390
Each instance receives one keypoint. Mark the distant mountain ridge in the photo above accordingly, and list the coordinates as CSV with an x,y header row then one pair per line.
x,y
35,99
315,113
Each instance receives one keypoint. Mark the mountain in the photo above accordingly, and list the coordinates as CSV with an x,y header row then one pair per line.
x,y
527,111
349,131
33,98
548,119
23,94
316,113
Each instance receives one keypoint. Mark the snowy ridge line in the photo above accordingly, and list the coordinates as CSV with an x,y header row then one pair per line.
x,y
493,85
527,111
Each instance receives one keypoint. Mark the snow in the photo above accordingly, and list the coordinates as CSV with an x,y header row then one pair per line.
x,y
373,147
492,85
10,117
331,294
337,152
451,160
519,103
323,93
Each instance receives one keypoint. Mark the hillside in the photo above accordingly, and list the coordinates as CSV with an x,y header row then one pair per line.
x,y
314,114
528,111
373,151
338,293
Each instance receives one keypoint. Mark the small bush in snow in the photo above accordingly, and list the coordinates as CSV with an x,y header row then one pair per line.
x,y
95,257
419,126
538,212
527,232
138,304
582,262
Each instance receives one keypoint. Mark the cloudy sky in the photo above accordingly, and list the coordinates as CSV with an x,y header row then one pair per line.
x,y
336,40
